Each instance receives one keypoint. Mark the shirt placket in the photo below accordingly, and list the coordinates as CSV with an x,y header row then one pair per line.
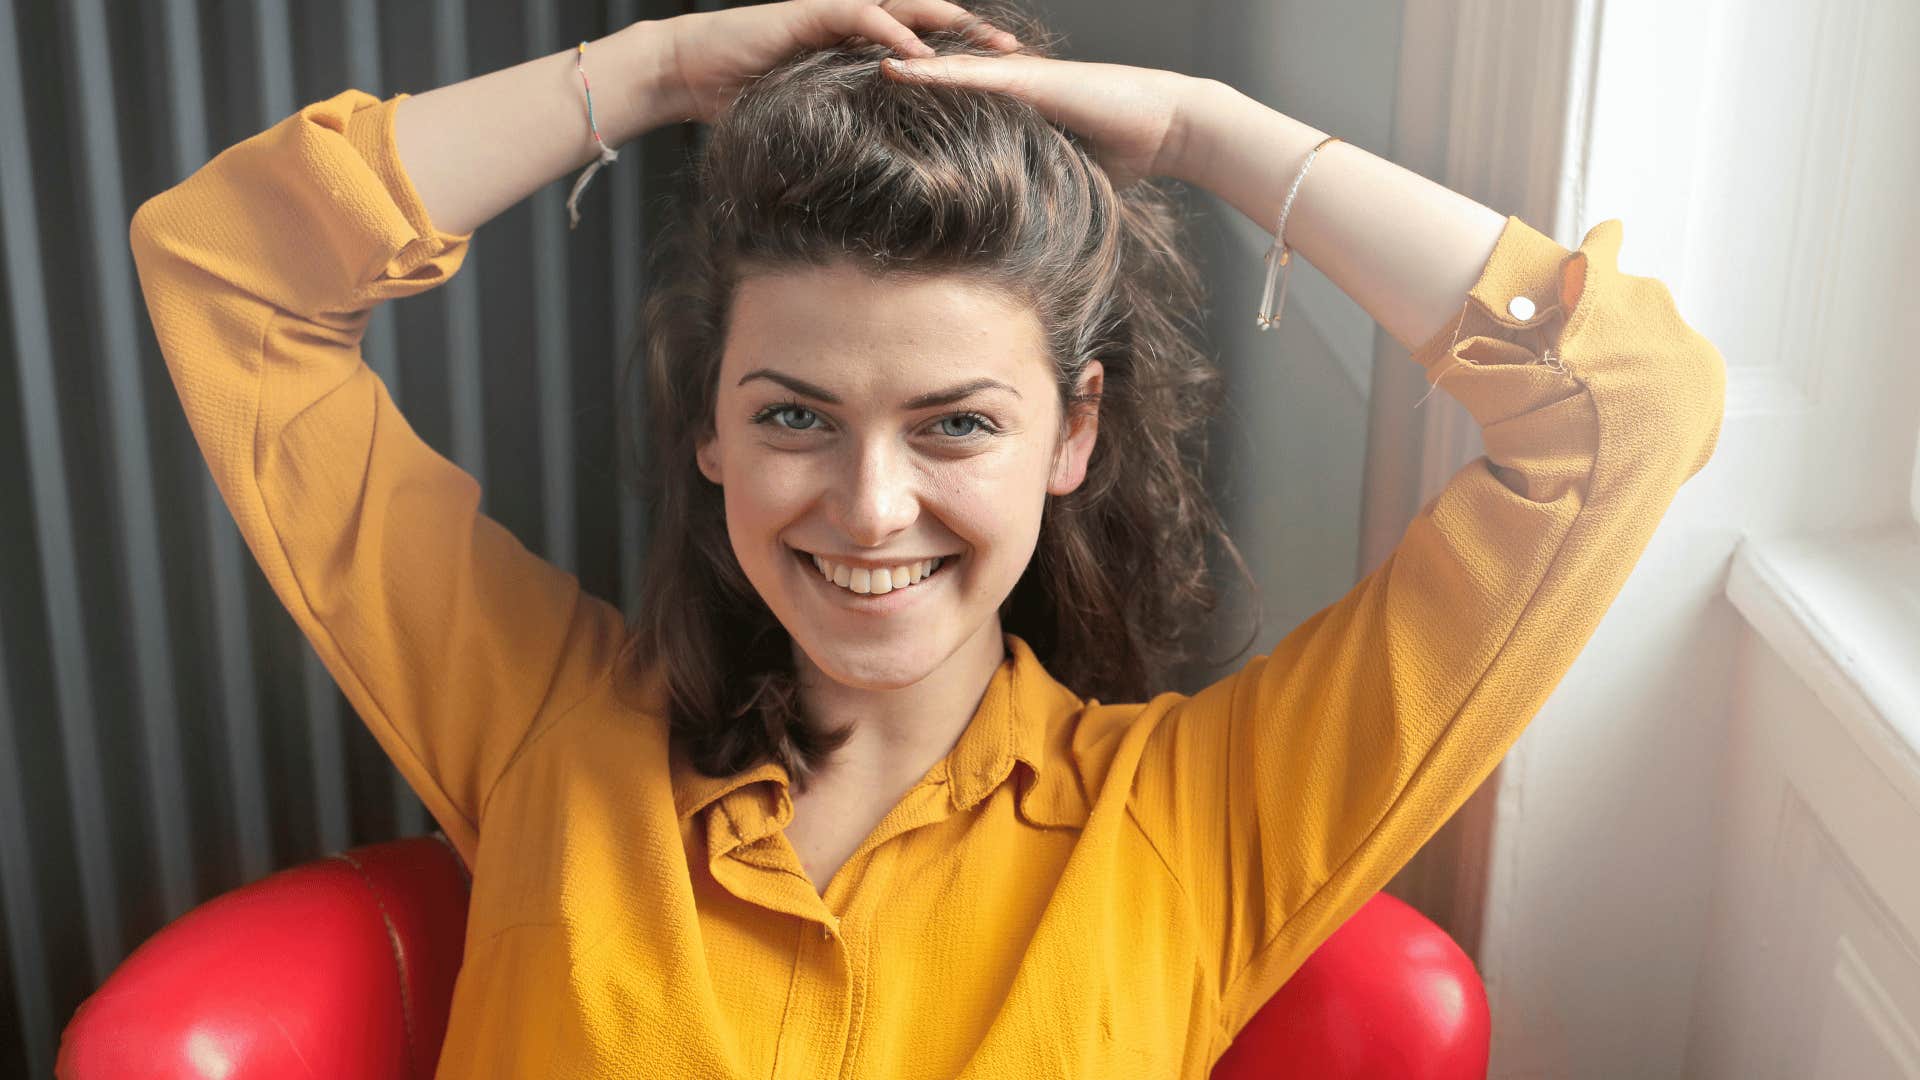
x,y
750,859
813,1040
746,858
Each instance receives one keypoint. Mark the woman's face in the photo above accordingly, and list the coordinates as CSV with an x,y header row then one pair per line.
x,y
880,424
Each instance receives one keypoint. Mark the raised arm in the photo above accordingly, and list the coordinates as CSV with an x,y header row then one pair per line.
x,y
1285,795
1405,248
475,148
260,271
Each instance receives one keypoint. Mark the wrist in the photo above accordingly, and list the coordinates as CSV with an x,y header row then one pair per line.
x,y
1243,151
640,61
1205,110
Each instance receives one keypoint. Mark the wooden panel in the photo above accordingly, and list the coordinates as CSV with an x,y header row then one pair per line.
x,y
1814,966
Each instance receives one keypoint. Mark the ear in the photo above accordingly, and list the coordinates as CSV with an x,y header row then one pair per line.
x,y
707,455
1070,461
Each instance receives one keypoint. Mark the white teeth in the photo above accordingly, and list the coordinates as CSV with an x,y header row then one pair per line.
x,y
875,582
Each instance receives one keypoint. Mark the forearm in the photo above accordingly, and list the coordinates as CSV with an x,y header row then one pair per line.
x,y
1405,248
475,148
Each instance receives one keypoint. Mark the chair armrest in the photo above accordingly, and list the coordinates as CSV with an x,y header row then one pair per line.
x,y
1388,994
343,966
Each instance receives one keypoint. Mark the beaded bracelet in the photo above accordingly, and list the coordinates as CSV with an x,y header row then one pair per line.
x,y
607,153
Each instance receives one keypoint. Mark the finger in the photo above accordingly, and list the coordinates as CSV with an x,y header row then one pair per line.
x,y
925,15
875,24
1058,88
1004,73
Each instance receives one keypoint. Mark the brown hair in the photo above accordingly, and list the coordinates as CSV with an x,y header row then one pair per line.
x,y
824,159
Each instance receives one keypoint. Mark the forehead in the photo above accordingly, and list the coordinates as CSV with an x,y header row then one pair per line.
x,y
840,323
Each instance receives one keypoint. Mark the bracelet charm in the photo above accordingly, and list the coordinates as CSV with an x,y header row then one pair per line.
x,y
1280,256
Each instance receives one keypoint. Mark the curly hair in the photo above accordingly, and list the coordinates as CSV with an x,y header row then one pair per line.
x,y
823,160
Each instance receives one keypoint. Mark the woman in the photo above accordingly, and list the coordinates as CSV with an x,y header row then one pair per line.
x,y
844,798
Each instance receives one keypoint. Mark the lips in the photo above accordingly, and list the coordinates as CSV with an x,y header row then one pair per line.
x,y
876,581
873,587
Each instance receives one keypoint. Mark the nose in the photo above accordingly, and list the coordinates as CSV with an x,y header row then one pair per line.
x,y
880,495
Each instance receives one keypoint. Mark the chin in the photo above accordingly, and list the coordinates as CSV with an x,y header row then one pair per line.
x,y
872,665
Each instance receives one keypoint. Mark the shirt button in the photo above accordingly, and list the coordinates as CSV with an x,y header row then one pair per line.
x,y
1520,308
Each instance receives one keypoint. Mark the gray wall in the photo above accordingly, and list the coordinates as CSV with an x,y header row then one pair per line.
x,y
1289,455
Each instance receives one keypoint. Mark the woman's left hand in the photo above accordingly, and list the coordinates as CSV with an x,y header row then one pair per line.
x,y
1134,118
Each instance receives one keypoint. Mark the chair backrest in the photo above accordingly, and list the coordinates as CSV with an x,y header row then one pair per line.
x,y
345,966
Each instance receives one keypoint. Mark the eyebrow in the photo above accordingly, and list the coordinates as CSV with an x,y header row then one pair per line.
x,y
938,397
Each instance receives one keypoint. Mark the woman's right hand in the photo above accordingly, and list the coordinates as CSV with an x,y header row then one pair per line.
x,y
712,54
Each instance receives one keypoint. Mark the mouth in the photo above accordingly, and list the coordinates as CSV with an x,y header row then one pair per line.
x,y
874,589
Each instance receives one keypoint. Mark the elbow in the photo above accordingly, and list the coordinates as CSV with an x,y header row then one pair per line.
x,y
1692,391
147,239
162,227
1709,391
140,227
1678,377
143,237
136,232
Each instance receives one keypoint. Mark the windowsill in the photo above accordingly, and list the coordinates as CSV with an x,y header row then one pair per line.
x,y
1843,612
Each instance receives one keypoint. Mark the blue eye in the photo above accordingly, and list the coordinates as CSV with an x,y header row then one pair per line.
x,y
767,414
979,424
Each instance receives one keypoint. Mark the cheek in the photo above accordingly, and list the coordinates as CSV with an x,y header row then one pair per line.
x,y
770,489
996,508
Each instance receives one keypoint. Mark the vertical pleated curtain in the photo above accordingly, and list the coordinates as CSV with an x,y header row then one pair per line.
x,y
166,733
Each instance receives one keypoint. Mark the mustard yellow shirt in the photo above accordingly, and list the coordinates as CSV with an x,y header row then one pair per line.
x,y
1080,888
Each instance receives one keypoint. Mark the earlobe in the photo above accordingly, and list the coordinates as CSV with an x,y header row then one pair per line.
x,y
706,458
1070,461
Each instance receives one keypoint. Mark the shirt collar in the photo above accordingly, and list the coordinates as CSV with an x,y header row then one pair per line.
x,y
1016,721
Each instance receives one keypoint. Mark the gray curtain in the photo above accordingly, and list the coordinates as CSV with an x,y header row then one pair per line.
x,y
166,733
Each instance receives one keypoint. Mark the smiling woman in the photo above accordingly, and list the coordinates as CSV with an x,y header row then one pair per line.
x,y
904,324
798,819
881,480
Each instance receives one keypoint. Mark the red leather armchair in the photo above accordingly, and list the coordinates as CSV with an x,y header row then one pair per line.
x,y
344,966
